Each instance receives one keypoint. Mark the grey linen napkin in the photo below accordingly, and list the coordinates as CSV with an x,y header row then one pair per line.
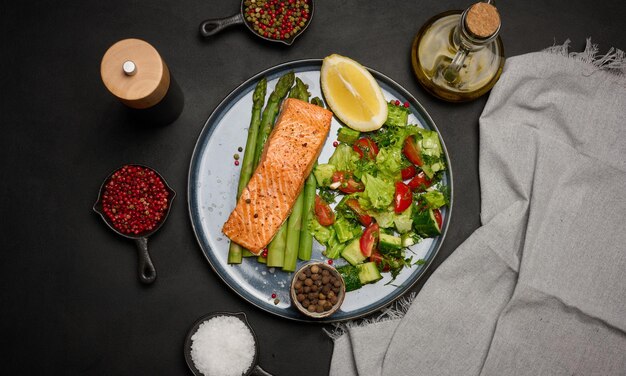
x,y
540,288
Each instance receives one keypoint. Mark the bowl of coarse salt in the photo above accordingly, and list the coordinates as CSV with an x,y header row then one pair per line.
x,y
222,344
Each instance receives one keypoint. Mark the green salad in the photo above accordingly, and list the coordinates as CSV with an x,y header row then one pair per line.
x,y
388,192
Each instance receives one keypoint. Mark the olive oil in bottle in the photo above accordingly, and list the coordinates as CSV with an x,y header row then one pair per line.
x,y
457,55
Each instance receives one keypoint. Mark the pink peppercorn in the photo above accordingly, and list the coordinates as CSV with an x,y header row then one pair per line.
x,y
134,199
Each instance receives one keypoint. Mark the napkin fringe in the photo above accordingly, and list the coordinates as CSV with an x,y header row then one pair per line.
x,y
614,61
395,311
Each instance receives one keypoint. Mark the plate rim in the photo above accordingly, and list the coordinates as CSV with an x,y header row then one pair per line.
x,y
295,64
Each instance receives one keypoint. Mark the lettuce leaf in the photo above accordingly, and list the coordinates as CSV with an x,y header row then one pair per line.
x,y
434,199
322,234
378,190
389,162
344,158
384,218
397,116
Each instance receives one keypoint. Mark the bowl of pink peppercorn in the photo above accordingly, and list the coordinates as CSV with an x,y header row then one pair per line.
x,y
134,202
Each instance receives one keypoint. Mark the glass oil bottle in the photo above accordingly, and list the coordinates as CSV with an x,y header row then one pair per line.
x,y
458,55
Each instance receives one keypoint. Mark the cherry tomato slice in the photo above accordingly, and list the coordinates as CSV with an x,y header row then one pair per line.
x,y
403,197
377,257
412,151
420,182
438,217
409,172
348,183
354,205
369,239
323,213
366,147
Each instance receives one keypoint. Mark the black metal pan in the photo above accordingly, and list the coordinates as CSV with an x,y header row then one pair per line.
x,y
147,271
213,26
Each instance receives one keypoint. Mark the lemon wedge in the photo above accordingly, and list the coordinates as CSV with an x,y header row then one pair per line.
x,y
352,93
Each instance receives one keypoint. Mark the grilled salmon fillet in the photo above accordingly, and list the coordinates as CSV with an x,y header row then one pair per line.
x,y
287,160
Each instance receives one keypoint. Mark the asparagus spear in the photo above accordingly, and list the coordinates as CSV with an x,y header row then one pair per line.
x,y
305,247
235,251
306,239
247,166
276,249
247,253
271,111
294,223
269,117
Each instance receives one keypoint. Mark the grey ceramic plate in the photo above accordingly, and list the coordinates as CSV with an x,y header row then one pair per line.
x,y
212,186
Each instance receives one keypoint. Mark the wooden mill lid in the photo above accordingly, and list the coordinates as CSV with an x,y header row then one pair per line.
x,y
133,71
482,20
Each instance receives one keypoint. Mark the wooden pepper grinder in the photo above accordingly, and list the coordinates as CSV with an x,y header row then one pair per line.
x,y
134,72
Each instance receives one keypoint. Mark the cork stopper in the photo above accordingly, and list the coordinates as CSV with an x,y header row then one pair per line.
x,y
133,71
482,20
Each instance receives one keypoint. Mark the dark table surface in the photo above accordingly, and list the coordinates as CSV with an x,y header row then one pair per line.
x,y
71,301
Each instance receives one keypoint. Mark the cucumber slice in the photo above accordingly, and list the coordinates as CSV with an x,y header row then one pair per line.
x,y
389,242
352,253
425,224
345,230
348,135
368,273
357,276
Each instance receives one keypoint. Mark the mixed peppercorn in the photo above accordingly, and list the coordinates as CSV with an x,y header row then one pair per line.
x,y
135,199
277,19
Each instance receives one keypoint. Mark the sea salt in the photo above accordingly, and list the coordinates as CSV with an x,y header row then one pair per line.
x,y
223,346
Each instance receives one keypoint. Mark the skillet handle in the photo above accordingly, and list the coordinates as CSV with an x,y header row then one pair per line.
x,y
147,272
258,371
214,26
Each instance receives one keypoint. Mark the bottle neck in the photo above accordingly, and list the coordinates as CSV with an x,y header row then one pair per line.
x,y
471,38
464,39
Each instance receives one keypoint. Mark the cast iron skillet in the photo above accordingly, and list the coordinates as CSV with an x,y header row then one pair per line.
x,y
254,370
147,272
213,26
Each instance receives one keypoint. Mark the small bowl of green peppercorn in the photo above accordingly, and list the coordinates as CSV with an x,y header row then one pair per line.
x,y
317,290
